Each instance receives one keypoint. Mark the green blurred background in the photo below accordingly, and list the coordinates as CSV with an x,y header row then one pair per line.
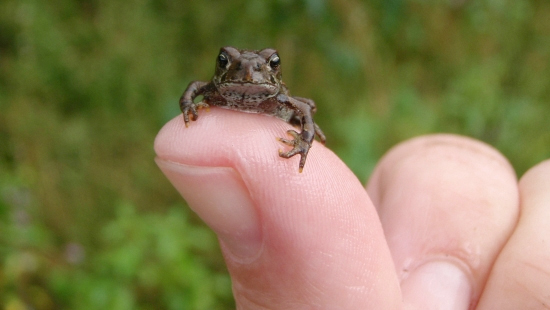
x,y
87,221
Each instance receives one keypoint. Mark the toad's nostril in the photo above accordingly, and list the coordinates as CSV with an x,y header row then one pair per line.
x,y
248,76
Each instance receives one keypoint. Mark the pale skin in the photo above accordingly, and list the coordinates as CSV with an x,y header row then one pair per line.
x,y
443,222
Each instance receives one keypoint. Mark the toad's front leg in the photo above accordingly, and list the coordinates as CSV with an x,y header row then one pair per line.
x,y
302,141
187,104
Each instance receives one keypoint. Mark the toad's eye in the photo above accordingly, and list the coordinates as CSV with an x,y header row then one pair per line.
x,y
275,61
222,60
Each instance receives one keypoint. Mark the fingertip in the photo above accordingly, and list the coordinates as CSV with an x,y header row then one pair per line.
x,y
320,236
537,178
520,277
445,197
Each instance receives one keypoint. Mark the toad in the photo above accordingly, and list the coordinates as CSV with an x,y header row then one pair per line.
x,y
251,81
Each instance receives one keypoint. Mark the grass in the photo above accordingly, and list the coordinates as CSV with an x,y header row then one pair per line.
x,y
87,221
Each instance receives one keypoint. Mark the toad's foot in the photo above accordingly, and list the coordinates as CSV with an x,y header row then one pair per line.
x,y
190,108
300,147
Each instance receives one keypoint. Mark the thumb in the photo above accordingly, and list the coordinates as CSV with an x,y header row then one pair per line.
x,y
290,240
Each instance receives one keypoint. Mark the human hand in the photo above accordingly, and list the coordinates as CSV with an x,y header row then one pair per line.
x,y
443,230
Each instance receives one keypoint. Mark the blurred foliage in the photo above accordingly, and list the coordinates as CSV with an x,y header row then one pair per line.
x,y
87,221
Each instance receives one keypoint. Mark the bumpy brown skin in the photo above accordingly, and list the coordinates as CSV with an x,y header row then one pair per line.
x,y
251,81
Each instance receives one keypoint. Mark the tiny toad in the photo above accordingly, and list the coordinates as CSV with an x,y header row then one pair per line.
x,y
250,81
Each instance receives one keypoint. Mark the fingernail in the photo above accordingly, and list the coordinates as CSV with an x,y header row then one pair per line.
x,y
437,285
220,198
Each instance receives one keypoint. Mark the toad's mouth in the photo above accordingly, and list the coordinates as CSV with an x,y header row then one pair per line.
x,y
247,93
243,91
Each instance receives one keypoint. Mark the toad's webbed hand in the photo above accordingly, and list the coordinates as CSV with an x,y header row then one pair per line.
x,y
302,141
300,146
187,104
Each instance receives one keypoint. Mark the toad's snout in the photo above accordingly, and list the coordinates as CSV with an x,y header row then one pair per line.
x,y
250,71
